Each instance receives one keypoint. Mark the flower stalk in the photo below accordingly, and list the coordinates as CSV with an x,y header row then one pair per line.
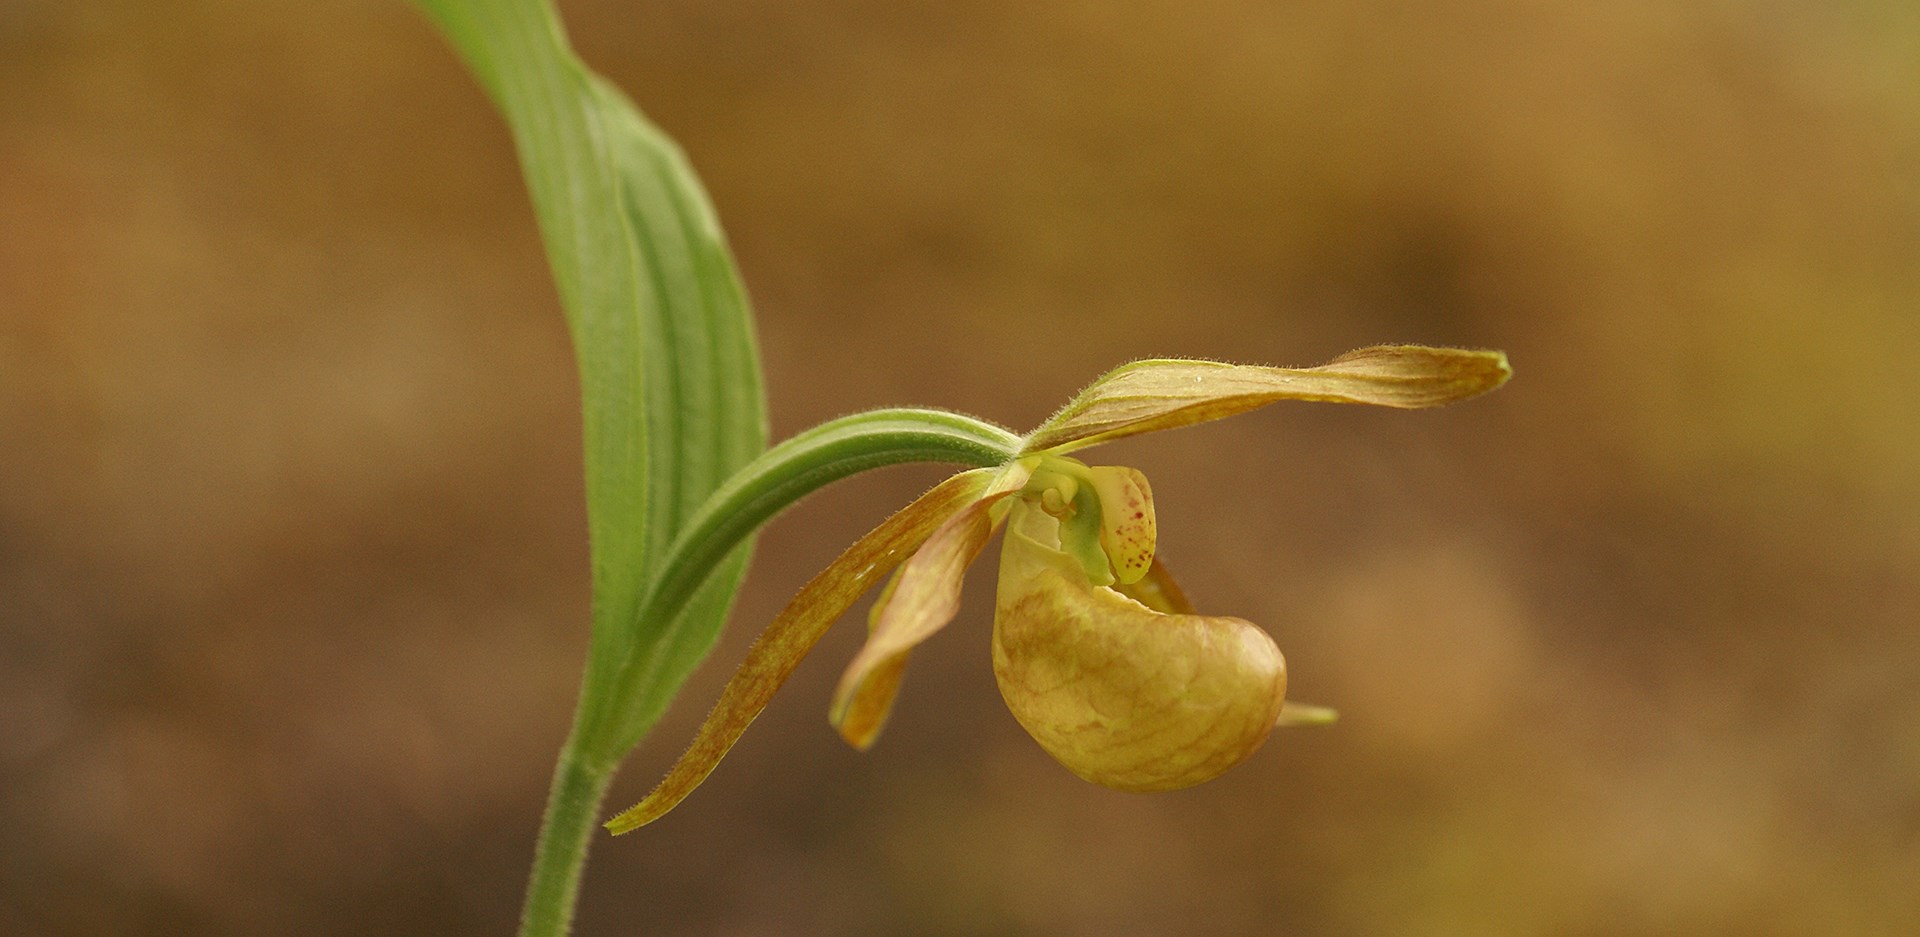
x,y
560,854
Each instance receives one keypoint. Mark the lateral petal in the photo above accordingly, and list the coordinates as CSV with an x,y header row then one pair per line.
x,y
793,633
867,713
926,597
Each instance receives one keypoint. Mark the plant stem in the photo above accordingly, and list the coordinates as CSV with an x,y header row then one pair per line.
x,y
573,809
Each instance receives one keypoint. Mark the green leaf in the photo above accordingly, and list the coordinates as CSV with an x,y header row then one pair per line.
x,y
669,374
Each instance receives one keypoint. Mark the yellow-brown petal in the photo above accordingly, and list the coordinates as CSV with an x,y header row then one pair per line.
x,y
1146,396
926,597
793,633
1120,694
867,711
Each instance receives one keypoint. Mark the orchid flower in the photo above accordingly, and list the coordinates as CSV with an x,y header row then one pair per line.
x,y
1097,652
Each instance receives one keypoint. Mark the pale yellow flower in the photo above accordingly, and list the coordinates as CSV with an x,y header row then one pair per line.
x,y
1097,652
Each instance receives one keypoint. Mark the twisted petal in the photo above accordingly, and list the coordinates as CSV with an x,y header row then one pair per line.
x,y
1123,695
795,630
1146,396
922,601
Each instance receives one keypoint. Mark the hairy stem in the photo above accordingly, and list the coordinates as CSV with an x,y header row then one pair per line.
x,y
573,811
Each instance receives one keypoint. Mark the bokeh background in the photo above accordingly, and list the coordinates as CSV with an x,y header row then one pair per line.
x,y
292,561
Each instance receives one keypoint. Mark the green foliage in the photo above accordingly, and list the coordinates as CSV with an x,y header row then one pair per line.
x,y
669,376
675,420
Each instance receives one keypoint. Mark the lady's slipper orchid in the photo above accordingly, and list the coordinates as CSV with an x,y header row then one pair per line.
x,y
1096,650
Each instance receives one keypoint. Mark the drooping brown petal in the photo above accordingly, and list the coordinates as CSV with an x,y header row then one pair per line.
x,y
926,598
1120,694
1146,396
794,632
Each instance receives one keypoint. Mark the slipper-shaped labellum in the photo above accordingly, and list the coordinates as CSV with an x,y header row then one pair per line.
x,y
1124,695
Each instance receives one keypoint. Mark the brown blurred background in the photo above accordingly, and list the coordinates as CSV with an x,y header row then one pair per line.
x,y
292,562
